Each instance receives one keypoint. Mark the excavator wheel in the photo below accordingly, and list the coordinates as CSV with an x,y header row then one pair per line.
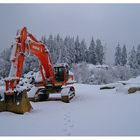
x,y
17,103
68,95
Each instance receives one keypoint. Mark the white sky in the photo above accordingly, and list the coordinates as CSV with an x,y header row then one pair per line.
x,y
112,23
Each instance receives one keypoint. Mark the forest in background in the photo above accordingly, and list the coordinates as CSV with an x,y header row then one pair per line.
x,y
88,63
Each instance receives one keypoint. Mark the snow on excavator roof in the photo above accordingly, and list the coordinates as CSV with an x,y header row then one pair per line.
x,y
61,65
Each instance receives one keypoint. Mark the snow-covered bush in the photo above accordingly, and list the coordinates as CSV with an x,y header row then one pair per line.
x,y
124,72
81,72
100,74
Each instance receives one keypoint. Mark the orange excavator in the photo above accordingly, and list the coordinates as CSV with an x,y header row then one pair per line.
x,y
55,79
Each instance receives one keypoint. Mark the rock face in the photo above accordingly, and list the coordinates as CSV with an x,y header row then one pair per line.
x,y
133,90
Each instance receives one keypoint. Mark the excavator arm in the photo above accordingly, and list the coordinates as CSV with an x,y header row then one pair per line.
x,y
26,42
46,66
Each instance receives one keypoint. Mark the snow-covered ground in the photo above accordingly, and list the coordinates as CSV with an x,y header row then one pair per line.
x,y
93,112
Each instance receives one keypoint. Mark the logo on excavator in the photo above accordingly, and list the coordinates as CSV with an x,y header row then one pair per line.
x,y
36,48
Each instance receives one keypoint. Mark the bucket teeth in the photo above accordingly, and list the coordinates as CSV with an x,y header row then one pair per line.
x,y
19,104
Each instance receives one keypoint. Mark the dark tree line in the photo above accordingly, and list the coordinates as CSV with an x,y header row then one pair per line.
x,y
72,50
123,58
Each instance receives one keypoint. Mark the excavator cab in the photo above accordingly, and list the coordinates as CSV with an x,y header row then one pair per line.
x,y
61,73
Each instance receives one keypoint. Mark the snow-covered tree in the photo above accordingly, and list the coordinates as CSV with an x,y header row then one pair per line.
x,y
56,49
68,53
91,53
31,63
132,60
51,47
118,55
138,54
71,51
60,46
50,43
64,52
5,63
124,56
77,50
83,49
4,68
99,52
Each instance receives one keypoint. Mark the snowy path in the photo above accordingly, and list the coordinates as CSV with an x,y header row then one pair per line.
x,y
91,112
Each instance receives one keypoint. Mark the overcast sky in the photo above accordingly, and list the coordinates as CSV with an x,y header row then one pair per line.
x,y
112,23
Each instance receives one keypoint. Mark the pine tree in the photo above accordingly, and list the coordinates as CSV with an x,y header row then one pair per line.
x,y
60,47
51,47
91,53
83,49
124,56
132,60
68,51
118,55
64,57
5,63
31,63
77,50
138,54
50,42
99,52
71,51
56,49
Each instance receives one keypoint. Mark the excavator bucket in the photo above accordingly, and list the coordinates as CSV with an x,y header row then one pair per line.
x,y
17,103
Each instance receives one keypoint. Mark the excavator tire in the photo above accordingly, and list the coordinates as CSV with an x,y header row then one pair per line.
x,y
18,105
